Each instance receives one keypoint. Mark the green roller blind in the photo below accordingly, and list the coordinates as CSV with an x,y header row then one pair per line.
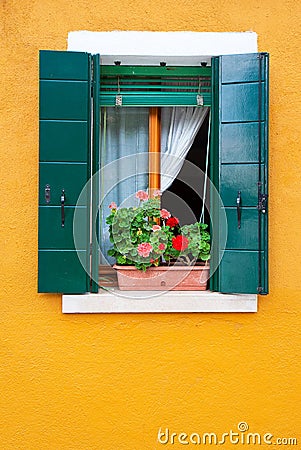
x,y
155,86
239,172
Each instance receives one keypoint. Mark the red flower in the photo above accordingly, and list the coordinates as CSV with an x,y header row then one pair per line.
x,y
162,246
172,222
180,242
112,205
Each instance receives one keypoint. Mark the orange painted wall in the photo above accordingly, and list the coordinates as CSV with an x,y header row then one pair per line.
x,y
109,382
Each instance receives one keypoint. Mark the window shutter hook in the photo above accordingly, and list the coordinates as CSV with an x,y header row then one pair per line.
x,y
199,97
118,99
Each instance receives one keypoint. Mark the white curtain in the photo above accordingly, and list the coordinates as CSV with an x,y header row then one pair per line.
x,y
179,127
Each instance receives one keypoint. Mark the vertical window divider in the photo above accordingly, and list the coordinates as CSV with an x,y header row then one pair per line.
x,y
154,149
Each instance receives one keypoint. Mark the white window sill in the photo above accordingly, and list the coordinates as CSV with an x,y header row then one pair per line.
x,y
115,301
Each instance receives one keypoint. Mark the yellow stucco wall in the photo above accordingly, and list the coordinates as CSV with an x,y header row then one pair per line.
x,y
111,381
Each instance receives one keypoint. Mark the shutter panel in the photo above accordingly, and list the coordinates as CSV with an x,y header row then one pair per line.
x,y
64,169
239,172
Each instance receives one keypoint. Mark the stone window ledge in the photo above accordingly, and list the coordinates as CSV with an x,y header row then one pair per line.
x,y
116,301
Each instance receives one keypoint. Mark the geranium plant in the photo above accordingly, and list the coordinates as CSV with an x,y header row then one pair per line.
x,y
147,235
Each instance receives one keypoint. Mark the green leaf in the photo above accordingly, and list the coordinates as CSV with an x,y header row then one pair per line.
x,y
121,259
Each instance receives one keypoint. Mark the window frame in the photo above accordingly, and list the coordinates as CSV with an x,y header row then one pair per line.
x,y
95,143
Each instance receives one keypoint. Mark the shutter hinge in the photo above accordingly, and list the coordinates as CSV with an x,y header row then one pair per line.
x,y
91,248
259,290
262,203
92,76
92,91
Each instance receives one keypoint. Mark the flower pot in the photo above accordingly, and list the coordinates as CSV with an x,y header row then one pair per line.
x,y
163,278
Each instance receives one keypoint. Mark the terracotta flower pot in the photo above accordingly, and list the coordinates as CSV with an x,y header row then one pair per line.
x,y
177,278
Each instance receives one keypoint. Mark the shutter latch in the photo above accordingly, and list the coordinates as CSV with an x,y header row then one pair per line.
x,y
47,193
262,203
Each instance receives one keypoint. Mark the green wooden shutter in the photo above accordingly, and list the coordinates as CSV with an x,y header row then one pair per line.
x,y
65,142
239,169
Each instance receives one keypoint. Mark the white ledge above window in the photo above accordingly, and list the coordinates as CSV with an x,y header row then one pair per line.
x,y
152,47
115,301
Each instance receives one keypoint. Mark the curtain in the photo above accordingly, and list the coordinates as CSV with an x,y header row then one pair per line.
x,y
124,160
179,126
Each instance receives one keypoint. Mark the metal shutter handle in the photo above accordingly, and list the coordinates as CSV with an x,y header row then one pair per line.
x,y
238,206
63,198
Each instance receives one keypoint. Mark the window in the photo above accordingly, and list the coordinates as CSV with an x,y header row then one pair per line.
x,y
70,101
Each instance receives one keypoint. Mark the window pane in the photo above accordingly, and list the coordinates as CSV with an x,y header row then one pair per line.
x,y
124,155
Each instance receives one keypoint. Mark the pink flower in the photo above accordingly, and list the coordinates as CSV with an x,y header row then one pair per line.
x,y
113,205
144,249
165,214
157,193
156,227
162,246
142,195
